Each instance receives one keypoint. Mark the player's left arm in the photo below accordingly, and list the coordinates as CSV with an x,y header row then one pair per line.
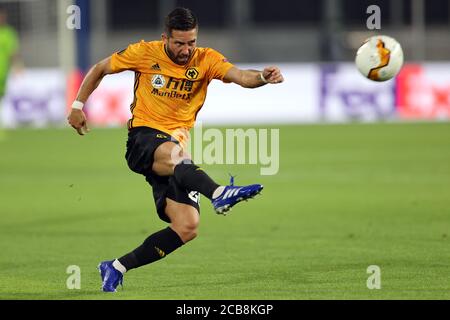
x,y
254,78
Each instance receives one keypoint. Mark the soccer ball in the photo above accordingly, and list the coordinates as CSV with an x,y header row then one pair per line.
x,y
379,58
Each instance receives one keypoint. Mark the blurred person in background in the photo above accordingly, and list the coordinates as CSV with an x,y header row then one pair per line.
x,y
9,48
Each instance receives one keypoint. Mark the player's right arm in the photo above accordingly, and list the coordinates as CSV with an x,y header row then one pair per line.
x,y
131,58
93,79
77,118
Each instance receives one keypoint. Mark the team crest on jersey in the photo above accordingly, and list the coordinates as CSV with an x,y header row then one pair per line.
x,y
192,73
158,81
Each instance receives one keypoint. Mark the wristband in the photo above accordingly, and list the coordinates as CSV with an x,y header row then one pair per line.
x,y
262,77
77,105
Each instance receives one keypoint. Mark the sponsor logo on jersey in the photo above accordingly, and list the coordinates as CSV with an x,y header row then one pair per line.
x,y
158,81
172,94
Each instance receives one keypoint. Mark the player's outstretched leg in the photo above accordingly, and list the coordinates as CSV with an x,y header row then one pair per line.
x,y
223,198
170,159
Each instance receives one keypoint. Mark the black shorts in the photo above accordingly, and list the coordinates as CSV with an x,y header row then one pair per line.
x,y
141,145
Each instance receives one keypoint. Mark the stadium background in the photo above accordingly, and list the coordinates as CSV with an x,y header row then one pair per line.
x,y
364,167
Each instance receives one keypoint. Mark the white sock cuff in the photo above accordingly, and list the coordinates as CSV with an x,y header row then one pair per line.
x,y
218,192
118,266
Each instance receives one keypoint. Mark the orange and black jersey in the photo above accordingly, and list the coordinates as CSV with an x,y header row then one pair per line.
x,y
168,96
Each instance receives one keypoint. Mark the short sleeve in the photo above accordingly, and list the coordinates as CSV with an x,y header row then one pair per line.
x,y
219,65
128,59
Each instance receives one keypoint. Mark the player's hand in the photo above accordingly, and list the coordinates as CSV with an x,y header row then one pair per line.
x,y
273,75
77,119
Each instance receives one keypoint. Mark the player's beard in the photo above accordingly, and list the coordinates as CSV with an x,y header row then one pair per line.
x,y
178,59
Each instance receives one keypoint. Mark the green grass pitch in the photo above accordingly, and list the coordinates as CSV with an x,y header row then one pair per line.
x,y
346,197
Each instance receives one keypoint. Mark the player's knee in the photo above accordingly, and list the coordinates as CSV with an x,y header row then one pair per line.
x,y
186,234
167,157
189,234
187,226
189,230
182,159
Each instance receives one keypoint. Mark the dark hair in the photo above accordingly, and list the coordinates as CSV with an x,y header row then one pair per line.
x,y
180,19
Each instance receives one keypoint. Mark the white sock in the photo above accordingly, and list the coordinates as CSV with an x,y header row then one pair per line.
x,y
118,266
218,192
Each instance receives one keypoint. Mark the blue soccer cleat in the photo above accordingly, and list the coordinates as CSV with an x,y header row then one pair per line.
x,y
233,194
111,277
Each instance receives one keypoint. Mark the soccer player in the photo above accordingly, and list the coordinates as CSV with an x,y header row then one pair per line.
x,y
171,78
9,46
